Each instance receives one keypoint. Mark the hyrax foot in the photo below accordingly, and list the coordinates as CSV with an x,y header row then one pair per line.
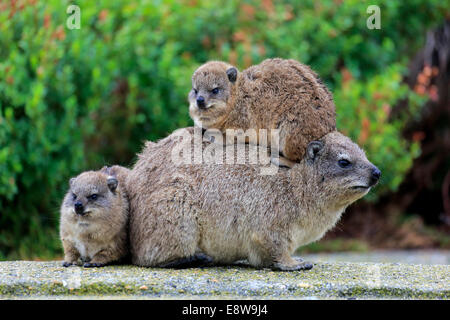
x,y
68,264
195,261
294,265
93,265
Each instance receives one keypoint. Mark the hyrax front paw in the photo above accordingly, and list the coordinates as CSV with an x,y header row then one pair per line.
x,y
282,162
93,265
68,264
292,265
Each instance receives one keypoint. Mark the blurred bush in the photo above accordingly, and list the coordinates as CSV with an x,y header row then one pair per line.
x,y
72,100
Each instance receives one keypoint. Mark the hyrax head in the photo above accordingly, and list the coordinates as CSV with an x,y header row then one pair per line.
x,y
92,194
212,85
343,171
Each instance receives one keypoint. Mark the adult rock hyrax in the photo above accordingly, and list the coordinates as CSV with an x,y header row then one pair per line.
x,y
231,212
275,94
94,218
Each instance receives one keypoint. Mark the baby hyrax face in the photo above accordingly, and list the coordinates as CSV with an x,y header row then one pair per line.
x,y
94,217
343,168
91,196
212,87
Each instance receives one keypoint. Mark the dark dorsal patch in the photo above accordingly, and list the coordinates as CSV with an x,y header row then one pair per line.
x,y
232,74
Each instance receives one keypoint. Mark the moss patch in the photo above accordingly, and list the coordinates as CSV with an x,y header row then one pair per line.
x,y
25,280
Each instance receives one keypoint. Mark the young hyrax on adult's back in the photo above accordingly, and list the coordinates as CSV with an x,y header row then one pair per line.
x,y
94,218
231,212
275,94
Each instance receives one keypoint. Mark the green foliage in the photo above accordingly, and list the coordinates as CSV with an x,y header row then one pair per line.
x,y
72,100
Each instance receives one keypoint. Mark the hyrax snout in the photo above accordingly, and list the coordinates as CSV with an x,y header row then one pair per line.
x,y
230,212
94,218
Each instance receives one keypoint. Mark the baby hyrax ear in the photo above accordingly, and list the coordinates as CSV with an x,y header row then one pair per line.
x,y
71,181
112,183
232,74
313,149
105,169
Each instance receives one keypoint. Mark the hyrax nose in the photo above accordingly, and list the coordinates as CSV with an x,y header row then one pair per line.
x,y
79,208
376,174
201,102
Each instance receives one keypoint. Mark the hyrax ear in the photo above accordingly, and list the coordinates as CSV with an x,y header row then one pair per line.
x,y
104,169
112,183
71,181
232,74
313,149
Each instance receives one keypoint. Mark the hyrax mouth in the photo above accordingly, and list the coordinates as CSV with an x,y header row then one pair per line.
x,y
194,106
205,108
83,214
360,187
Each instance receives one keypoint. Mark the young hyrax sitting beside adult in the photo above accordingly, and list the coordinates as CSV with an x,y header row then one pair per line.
x,y
94,218
275,94
230,212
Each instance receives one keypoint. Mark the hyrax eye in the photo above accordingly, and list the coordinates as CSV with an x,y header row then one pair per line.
x,y
344,163
195,91
215,90
74,196
93,196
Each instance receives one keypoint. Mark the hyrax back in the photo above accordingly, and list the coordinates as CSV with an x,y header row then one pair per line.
x,y
276,94
94,218
231,212
289,96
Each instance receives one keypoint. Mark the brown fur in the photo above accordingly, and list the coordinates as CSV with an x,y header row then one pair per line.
x,y
231,212
275,94
100,235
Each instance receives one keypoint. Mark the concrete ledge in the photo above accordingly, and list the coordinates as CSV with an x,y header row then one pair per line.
x,y
338,280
